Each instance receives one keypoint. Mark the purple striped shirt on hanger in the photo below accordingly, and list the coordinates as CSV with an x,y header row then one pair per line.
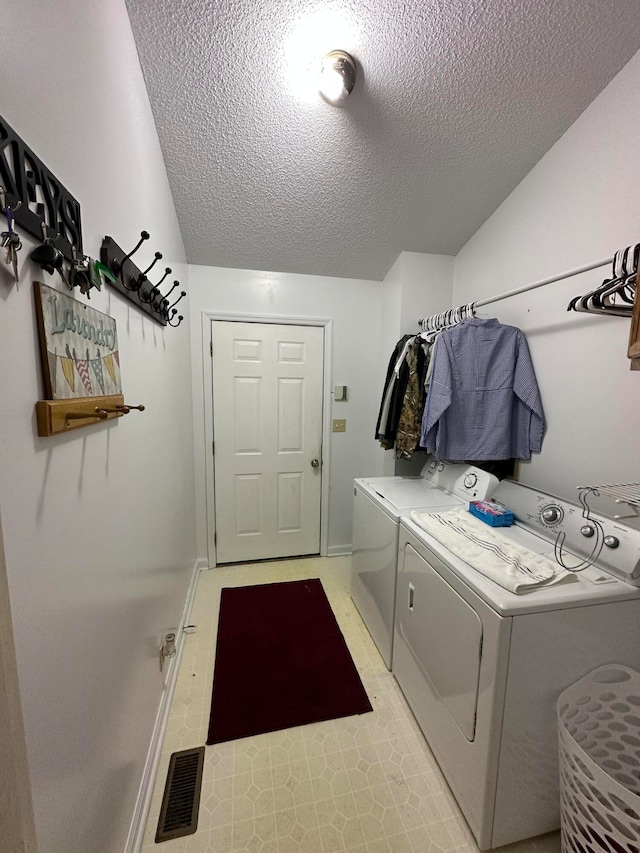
x,y
483,401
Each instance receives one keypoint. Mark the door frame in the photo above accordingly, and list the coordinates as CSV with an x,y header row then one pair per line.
x,y
324,323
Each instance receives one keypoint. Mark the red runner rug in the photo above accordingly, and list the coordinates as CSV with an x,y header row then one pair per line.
x,y
281,661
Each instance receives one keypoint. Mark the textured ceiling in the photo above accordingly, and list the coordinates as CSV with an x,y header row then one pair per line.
x,y
455,101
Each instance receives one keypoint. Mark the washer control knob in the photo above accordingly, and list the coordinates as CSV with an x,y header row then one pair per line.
x,y
611,541
470,480
587,530
551,514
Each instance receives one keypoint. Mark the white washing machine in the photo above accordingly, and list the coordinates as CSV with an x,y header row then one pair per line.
x,y
378,504
482,667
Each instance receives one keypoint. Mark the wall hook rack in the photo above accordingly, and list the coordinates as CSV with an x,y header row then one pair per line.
x,y
134,284
56,416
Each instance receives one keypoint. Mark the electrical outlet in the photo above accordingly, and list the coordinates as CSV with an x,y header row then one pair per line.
x,y
339,425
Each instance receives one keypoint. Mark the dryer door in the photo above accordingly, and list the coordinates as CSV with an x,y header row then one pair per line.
x,y
444,634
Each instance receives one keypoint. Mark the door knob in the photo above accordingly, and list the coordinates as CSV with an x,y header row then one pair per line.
x,y
315,463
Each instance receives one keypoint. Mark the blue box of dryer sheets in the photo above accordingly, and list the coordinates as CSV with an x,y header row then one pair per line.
x,y
491,513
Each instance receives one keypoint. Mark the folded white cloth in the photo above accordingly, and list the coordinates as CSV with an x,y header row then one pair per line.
x,y
490,552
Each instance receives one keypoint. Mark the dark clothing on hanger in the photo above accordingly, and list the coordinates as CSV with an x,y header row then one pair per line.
x,y
410,419
393,394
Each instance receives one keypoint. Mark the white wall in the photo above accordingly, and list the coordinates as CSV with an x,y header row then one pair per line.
x,y
99,523
579,204
390,333
354,306
427,284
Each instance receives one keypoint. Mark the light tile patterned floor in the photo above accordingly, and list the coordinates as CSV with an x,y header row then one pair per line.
x,y
367,784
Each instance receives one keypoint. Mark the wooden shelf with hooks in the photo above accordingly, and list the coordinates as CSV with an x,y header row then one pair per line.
x,y
57,416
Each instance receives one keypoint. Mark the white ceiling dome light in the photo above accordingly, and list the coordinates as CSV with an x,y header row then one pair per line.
x,y
337,77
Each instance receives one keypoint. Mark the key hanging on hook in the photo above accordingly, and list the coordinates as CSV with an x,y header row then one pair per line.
x,y
80,273
9,239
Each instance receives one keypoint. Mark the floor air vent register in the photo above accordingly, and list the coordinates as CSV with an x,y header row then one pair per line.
x,y
181,800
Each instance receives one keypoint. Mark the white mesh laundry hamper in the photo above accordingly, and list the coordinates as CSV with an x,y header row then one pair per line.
x,y
599,728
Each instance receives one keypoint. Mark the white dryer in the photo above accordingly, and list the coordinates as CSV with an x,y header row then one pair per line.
x,y
378,504
482,667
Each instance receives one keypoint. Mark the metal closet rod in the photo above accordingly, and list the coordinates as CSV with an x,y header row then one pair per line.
x,y
544,281
541,283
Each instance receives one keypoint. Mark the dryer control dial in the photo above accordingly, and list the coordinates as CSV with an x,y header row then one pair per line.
x,y
470,480
551,514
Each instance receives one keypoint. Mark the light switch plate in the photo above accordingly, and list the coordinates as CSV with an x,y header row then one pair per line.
x,y
339,425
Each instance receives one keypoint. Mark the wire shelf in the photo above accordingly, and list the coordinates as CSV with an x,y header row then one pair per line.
x,y
627,493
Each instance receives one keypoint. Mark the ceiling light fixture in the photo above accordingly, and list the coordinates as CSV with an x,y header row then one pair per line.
x,y
337,77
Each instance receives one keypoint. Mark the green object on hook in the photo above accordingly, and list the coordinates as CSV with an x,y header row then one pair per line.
x,y
104,270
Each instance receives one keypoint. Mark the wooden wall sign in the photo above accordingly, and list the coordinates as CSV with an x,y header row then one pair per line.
x,y
78,347
43,197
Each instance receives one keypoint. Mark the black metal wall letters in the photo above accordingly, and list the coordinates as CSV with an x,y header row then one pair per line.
x,y
44,199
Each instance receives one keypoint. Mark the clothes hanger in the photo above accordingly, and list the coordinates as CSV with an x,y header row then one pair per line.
x,y
625,267
601,300
446,319
585,305
604,299
625,288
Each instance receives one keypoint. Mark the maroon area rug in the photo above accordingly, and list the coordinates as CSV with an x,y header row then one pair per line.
x,y
281,661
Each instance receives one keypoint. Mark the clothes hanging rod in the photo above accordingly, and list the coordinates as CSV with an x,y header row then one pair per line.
x,y
542,282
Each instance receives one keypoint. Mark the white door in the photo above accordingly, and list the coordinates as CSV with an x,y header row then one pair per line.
x,y
267,429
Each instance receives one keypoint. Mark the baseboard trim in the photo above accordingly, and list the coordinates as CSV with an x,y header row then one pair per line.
x,y
143,801
339,550
202,563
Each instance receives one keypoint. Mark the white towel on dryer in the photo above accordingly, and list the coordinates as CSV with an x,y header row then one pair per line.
x,y
490,552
